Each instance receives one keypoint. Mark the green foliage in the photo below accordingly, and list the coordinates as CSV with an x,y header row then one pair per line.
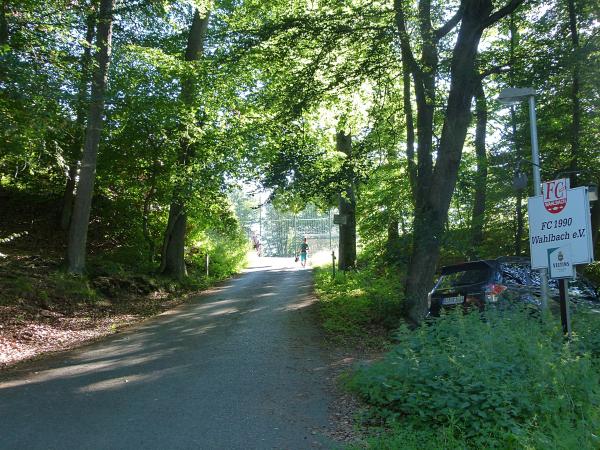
x,y
359,305
504,381
227,252
72,287
592,271
407,438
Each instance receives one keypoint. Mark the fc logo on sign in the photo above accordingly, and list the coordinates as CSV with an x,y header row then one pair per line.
x,y
554,194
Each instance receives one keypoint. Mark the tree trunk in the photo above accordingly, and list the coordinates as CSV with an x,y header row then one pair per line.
x,y
173,262
596,227
520,225
146,212
478,215
434,190
410,126
86,59
76,249
519,216
172,258
347,208
520,221
393,245
4,36
575,96
3,23
68,195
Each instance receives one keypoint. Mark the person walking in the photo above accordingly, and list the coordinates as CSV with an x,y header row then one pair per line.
x,y
304,249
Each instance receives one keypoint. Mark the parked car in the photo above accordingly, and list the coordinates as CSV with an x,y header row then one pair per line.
x,y
502,281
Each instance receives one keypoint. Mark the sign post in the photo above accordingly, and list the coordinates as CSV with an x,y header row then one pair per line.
x,y
332,264
560,235
561,268
565,316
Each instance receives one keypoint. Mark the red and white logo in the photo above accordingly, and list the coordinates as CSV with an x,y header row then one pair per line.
x,y
554,194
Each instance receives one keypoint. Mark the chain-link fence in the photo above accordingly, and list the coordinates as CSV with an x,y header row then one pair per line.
x,y
281,233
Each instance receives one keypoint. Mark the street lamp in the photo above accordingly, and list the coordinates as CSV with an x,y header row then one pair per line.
x,y
512,96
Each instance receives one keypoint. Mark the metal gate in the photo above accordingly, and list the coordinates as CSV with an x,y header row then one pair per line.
x,y
281,233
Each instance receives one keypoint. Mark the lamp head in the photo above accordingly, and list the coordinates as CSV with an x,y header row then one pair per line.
x,y
519,180
511,96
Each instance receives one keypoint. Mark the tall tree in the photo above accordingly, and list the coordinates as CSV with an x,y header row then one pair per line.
x,y
519,215
172,260
76,249
478,214
82,95
435,183
575,91
3,23
347,209
393,238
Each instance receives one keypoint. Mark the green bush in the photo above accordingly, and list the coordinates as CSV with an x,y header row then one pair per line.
x,y
503,381
355,303
227,252
592,271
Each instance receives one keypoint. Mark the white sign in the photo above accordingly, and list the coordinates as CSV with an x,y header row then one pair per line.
x,y
558,218
560,262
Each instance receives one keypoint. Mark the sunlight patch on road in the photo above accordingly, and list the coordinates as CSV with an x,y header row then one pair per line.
x,y
223,311
298,305
78,370
320,258
124,381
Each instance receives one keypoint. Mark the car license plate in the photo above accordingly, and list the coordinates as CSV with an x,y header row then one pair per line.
x,y
453,300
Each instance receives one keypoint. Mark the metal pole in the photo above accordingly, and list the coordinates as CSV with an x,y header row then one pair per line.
x,y
207,263
330,248
259,217
333,263
295,241
537,187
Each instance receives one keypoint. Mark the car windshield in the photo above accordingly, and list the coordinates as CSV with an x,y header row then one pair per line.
x,y
465,277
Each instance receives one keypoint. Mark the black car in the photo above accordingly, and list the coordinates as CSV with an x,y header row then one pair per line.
x,y
501,281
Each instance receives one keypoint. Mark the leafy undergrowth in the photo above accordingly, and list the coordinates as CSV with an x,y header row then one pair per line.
x,y
504,381
359,308
43,309
592,271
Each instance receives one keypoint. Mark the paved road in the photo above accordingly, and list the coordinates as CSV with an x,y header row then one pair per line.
x,y
239,368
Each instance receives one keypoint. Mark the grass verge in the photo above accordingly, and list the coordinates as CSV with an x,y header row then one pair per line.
x,y
359,308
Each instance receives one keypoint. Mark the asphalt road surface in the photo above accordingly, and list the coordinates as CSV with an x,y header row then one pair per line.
x,y
241,367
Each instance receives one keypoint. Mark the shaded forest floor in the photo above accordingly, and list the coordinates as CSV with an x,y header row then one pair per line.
x,y
43,309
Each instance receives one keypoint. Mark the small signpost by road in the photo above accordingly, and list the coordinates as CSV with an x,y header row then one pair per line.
x,y
340,219
560,234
